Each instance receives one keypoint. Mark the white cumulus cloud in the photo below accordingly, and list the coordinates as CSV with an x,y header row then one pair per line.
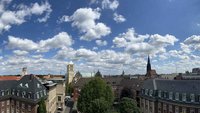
x,y
119,18
85,20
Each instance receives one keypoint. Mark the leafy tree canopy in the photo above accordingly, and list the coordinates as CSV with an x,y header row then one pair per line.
x,y
98,74
128,105
126,92
42,106
95,97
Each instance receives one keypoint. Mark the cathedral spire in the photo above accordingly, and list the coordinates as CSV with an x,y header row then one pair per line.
x,y
148,65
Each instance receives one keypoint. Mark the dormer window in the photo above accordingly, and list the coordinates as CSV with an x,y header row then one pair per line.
x,y
177,96
159,93
13,92
2,93
151,93
146,91
21,85
38,85
184,97
23,94
18,93
192,97
26,85
41,93
45,92
29,95
38,96
170,95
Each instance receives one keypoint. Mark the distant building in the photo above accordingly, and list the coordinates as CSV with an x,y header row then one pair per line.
x,y
70,73
196,71
170,96
60,92
117,83
150,73
21,96
51,105
24,71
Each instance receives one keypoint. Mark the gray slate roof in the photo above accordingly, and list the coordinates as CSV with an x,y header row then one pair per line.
x,y
181,86
28,86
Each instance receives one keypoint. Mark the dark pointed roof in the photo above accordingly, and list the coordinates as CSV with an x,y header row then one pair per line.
x,y
28,89
148,64
179,86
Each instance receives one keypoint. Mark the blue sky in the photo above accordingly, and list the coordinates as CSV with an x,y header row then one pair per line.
x,y
106,35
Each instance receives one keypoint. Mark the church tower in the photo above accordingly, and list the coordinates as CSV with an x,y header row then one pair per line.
x,y
70,72
148,73
151,73
148,65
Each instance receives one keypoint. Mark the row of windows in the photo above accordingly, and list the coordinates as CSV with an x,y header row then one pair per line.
x,y
23,94
163,108
172,95
17,105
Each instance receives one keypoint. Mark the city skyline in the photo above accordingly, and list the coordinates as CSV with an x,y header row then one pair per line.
x,y
106,35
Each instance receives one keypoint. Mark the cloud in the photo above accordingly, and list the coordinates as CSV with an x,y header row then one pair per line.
x,y
192,42
143,44
9,18
101,43
118,18
110,4
20,53
64,18
60,40
84,19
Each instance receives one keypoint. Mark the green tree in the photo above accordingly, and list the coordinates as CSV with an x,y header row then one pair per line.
x,y
126,92
128,105
68,89
42,106
98,74
95,97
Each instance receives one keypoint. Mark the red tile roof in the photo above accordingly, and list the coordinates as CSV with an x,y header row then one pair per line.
x,y
9,78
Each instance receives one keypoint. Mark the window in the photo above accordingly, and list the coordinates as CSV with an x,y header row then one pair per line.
x,y
192,110
17,104
2,103
13,92
184,110
38,96
45,92
41,93
159,93
26,85
8,102
59,98
176,109
177,96
170,95
29,95
165,94
192,97
2,93
38,85
159,107
146,91
23,106
184,97
151,93
23,94
8,110
18,93
170,109
29,108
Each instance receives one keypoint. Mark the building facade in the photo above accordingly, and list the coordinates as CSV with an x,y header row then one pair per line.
x,y
21,96
70,73
170,96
